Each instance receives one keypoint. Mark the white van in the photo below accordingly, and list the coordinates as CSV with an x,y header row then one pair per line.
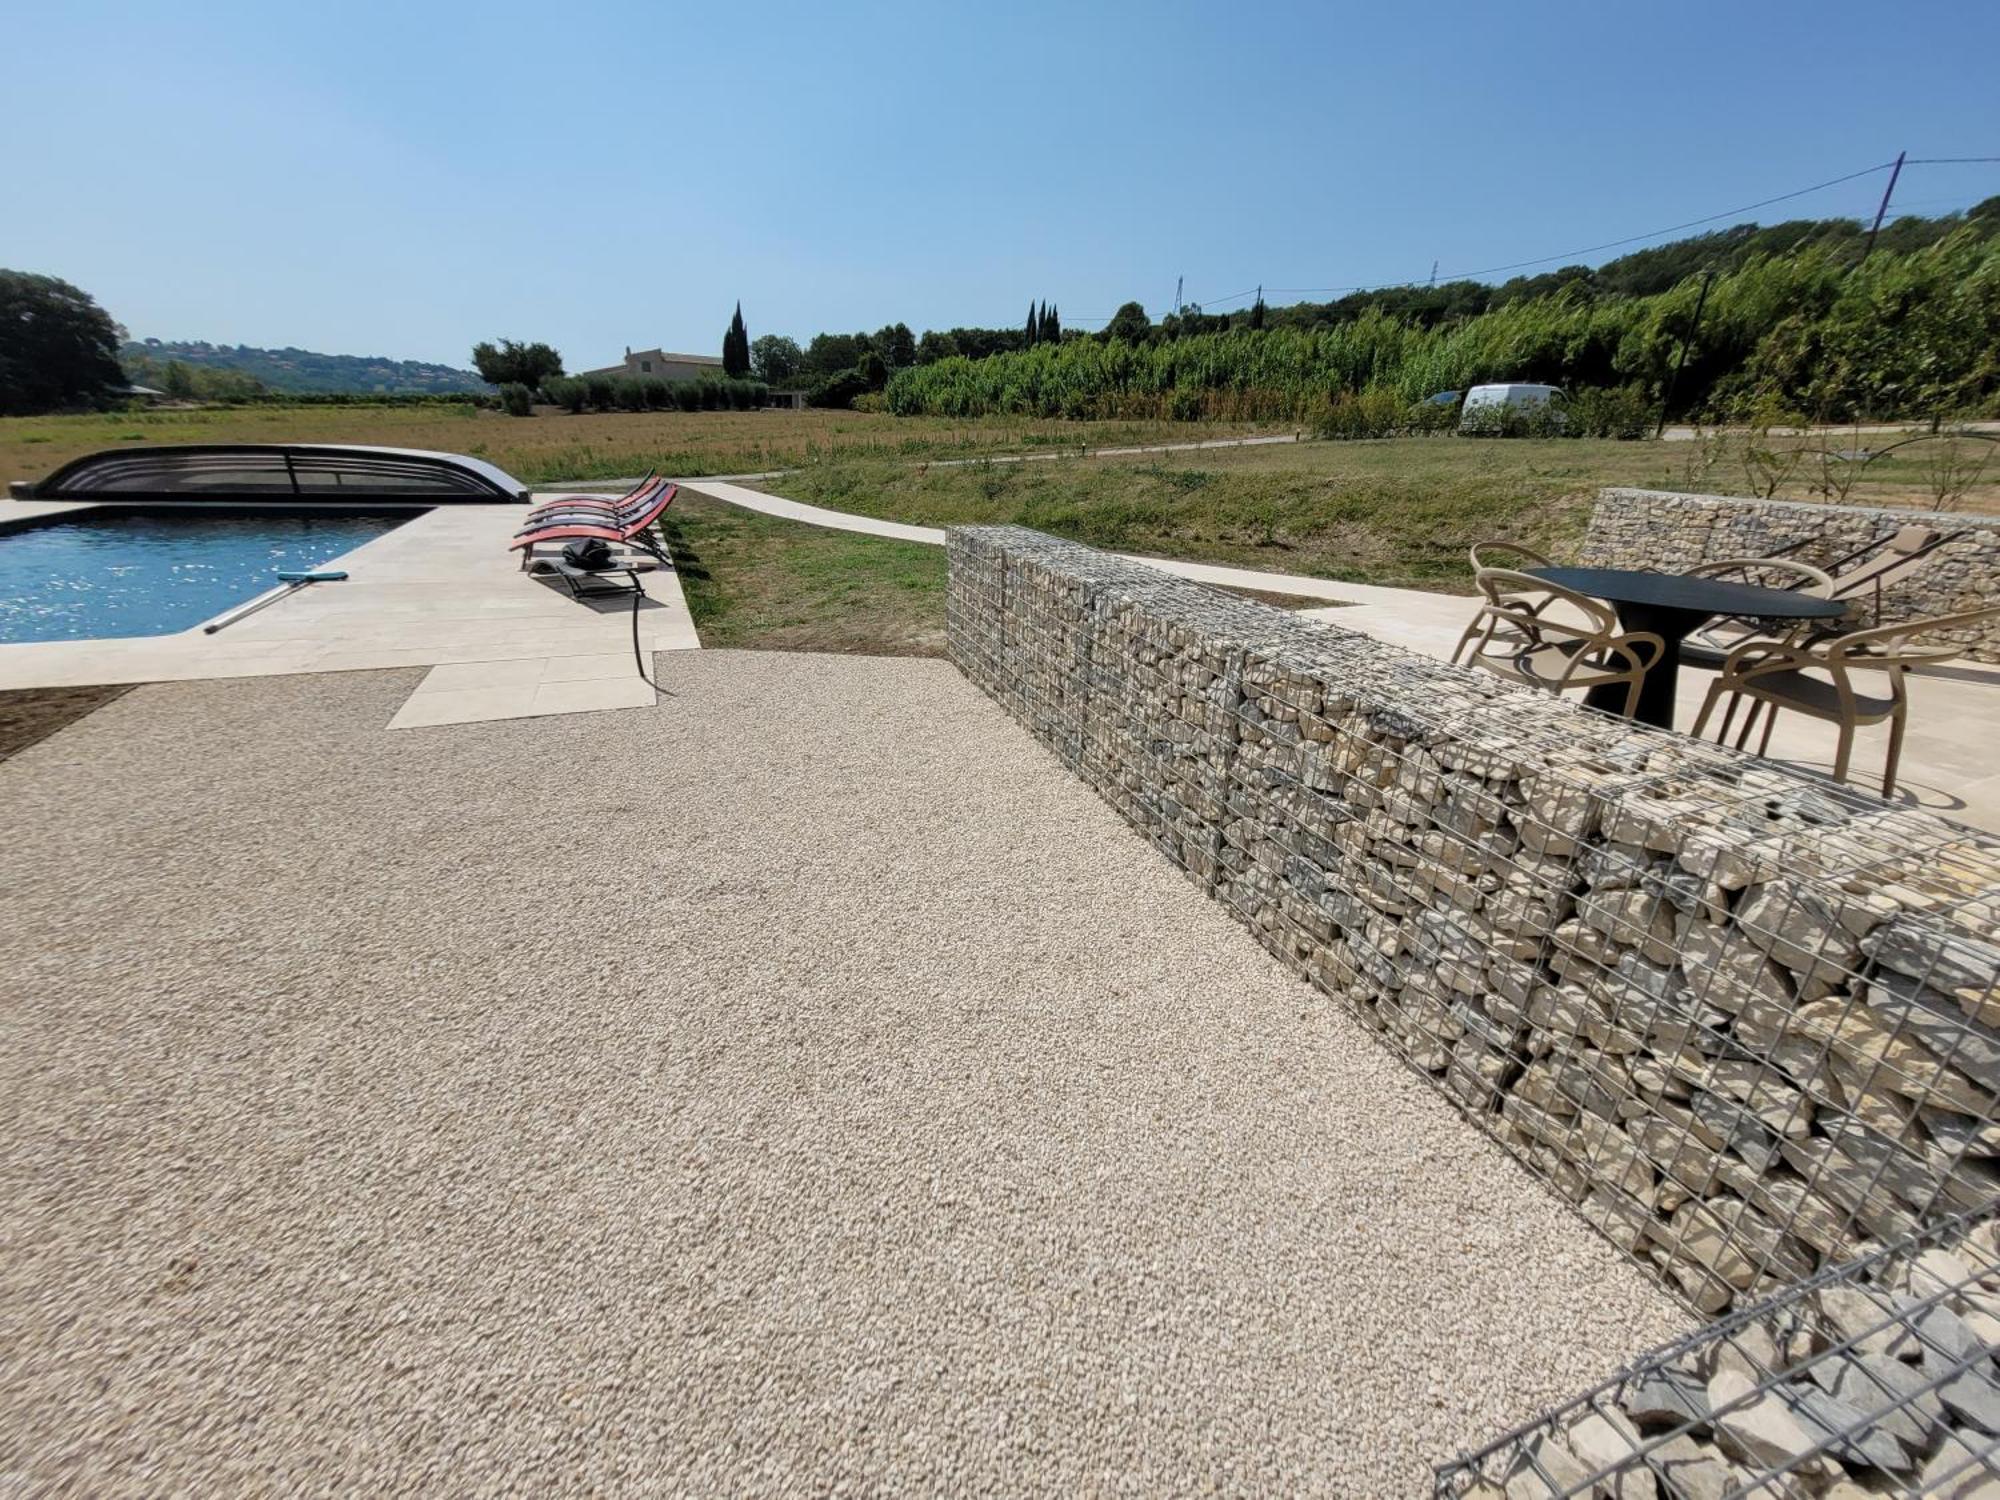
x,y
1497,408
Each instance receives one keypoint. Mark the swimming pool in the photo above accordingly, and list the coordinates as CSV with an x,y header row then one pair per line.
x,y
112,571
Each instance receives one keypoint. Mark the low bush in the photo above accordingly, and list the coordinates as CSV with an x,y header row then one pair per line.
x,y
1373,413
602,391
1623,412
567,392
838,391
517,400
687,395
1547,420
630,395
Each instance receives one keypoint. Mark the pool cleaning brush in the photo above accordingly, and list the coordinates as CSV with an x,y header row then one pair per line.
x,y
288,583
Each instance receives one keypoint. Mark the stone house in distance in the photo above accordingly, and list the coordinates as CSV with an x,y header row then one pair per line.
x,y
671,367
640,363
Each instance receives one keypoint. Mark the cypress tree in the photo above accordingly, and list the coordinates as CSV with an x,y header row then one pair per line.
x,y
736,347
1032,329
1055,325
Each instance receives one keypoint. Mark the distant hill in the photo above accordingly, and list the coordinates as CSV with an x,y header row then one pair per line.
x,y
299,371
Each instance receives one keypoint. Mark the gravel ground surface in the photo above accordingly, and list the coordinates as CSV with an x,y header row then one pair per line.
x,y
856,1105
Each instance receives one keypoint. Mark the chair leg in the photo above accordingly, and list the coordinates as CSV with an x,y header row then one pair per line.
x,y
1843,751
1764,745
1895,753
1749,722
1708,707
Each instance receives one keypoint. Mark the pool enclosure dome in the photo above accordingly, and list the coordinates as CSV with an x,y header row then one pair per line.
x,y
267,473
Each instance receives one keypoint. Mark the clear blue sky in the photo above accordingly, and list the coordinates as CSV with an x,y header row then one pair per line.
x,y
406,179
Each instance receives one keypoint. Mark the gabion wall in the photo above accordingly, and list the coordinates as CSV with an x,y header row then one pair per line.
x,y
1672,532
1877,1377
1743,1019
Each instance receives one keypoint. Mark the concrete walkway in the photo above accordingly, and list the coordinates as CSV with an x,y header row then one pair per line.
x,y
440,591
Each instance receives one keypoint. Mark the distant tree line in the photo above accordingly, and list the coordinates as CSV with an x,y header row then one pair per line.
x,y
1813,331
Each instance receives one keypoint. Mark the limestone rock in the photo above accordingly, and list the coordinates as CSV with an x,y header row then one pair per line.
x,y
1761,1426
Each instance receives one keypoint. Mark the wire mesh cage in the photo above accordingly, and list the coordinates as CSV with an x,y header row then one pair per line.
x,y
1742,1018
1877,1376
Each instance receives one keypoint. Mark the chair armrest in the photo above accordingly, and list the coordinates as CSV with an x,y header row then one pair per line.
x,y
1641,647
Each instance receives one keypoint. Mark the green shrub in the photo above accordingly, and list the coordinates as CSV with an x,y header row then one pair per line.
x,y
1429,417
603,391
567,392
1374,413
630,395
687,395
839,391
871,401
517,400
1621,413
655,393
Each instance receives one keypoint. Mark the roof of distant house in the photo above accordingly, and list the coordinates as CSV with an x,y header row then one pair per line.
x,y
679,359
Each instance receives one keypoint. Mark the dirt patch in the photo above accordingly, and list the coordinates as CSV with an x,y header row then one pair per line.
x,y
31,714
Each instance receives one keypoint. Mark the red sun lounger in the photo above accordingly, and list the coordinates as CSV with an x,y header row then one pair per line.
x,y
623,515
629,528
613,504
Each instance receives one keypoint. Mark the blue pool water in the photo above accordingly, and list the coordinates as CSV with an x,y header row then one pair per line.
x,y
109,573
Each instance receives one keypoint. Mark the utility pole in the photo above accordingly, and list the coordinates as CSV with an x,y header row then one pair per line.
x,y
1434,273
1177,295
1700,302
1876,228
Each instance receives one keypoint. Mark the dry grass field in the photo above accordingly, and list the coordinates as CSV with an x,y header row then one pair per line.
x,y
556,445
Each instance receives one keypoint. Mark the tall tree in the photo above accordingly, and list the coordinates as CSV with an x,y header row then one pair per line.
x,y
776,359
897,346
1047,330
516,364
1032,330
736,347
1129,325
57,346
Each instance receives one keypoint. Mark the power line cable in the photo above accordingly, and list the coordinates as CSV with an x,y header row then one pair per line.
x,y
1609,244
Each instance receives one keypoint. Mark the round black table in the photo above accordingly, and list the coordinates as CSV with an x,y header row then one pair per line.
x,y
1670,605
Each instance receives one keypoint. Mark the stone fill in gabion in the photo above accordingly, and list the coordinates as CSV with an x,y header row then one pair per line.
x,y
1745,1020
1874,1378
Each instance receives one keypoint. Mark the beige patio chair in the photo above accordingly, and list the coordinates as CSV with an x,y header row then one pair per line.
x,y
1524,642
1500,554
1711,644
1773,675
1907,550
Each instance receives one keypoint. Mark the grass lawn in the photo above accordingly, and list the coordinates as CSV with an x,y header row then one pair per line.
x,y
598,445
758,582
1396,511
